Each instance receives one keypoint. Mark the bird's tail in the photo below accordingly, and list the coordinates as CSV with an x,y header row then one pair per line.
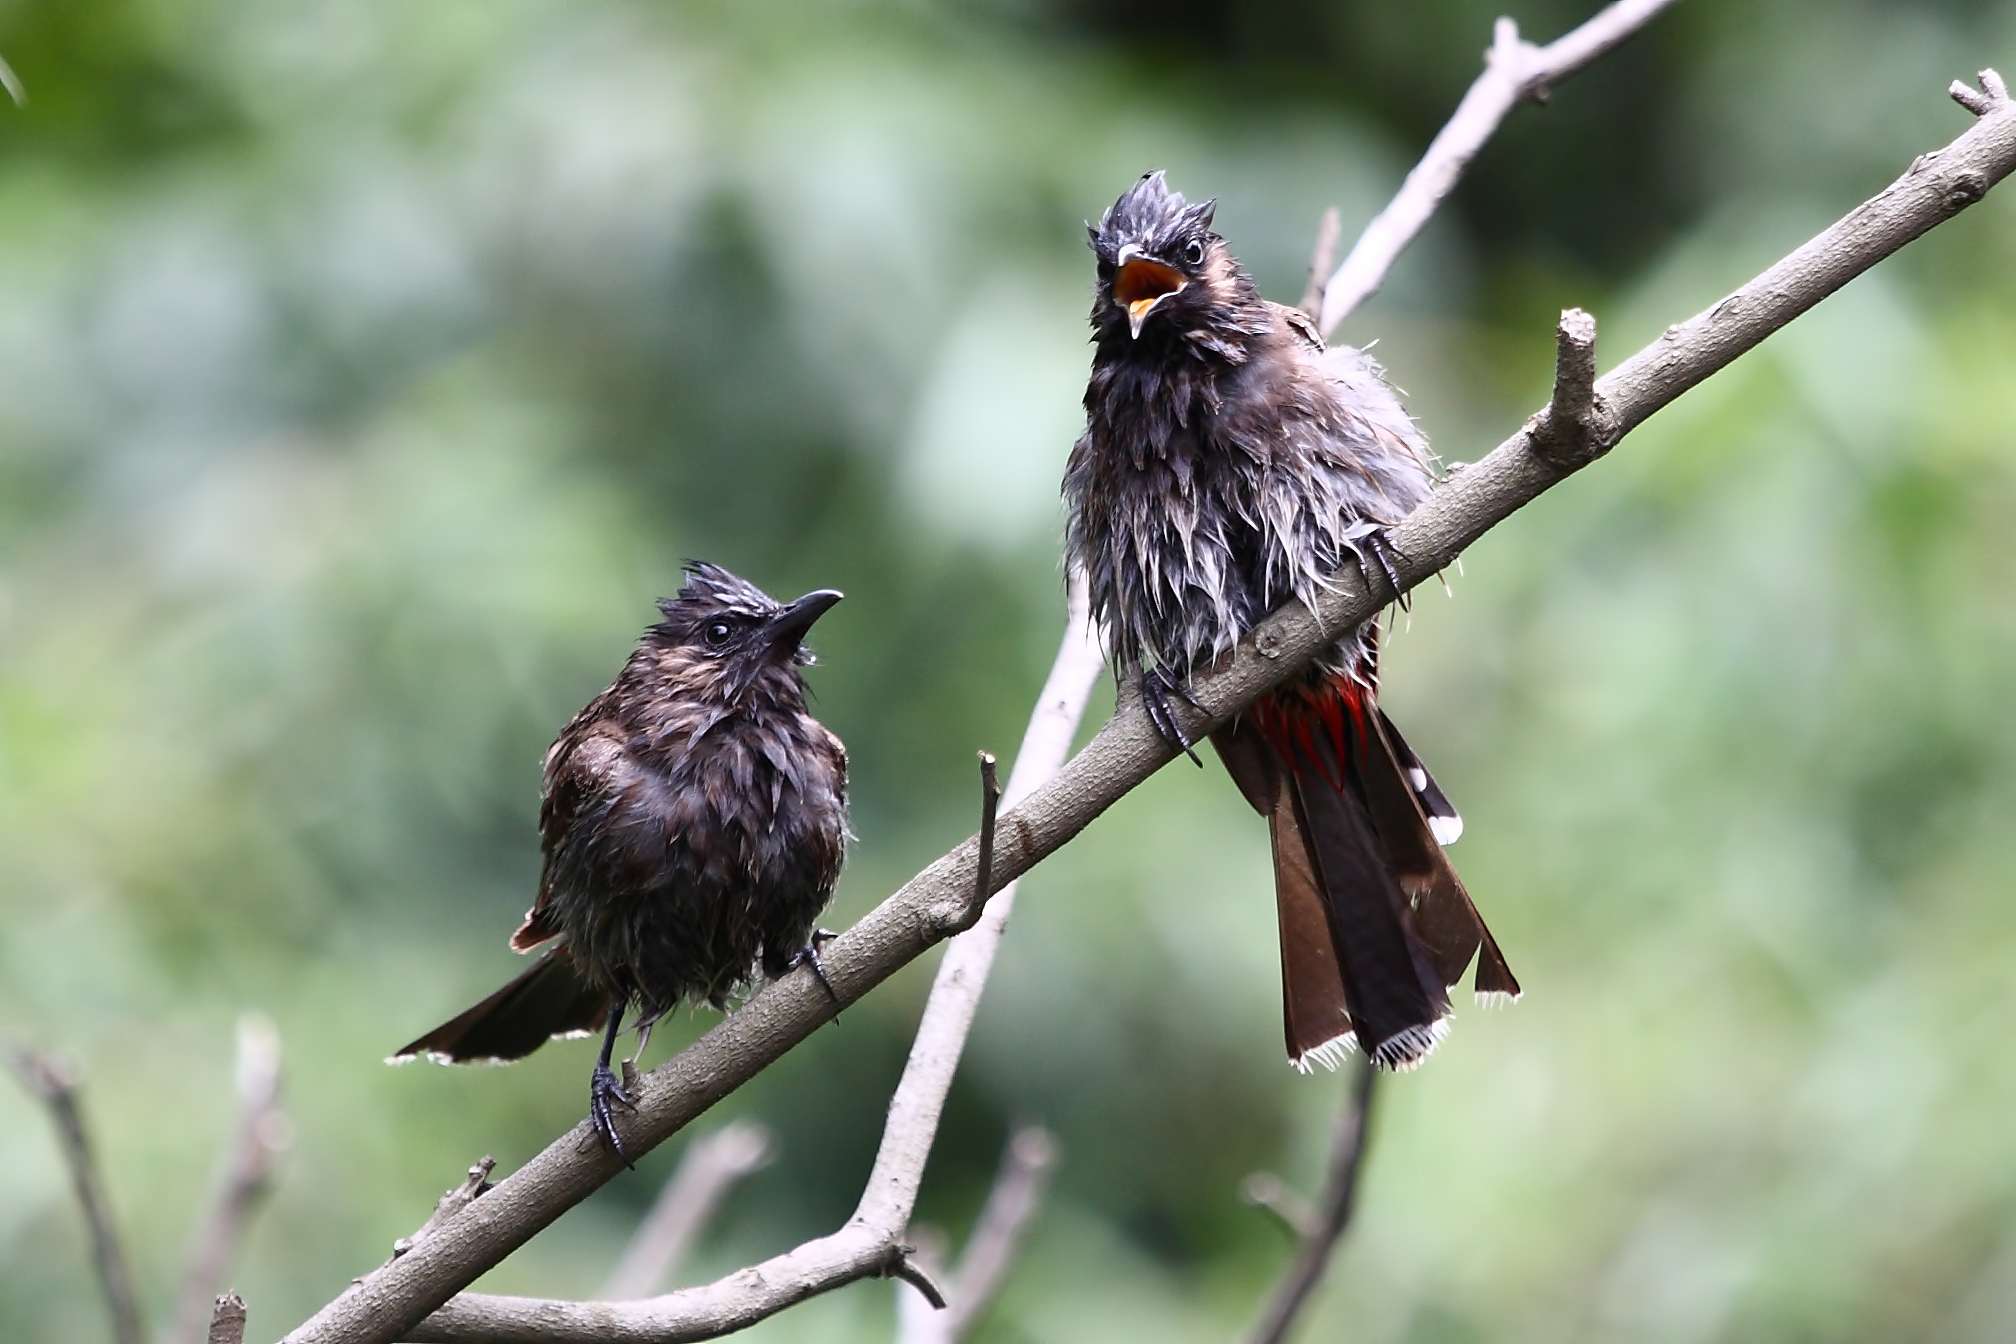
x,y
551,998
1375,924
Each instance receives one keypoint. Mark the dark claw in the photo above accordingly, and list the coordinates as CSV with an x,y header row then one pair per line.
x,y
604,1095
644,1026
1376,547
1156,688
808,955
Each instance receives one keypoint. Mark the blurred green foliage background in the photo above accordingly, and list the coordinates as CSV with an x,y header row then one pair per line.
x,y
366,368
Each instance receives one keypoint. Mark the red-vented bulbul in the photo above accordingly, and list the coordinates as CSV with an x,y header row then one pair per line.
x,y
1230,463
693,818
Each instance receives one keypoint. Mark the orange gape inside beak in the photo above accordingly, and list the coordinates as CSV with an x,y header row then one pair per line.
x,y
1141,284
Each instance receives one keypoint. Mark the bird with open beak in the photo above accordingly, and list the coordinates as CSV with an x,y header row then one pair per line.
x,y
1231,463
693,819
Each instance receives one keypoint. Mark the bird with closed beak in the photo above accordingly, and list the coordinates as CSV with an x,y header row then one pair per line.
x,y
1232,463
693,818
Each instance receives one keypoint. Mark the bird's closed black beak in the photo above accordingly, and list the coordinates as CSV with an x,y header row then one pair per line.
x,y
1142,282
789,625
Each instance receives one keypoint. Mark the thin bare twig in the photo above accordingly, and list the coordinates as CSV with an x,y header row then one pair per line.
x,y
245,1176
227,1321
475,1185
1018,1192
1027,1160
1514,71
389,1303
1328,1219
990,813
58,1085
1270,1194
1570,431
911,1272
710,1168
1993,93
1321,259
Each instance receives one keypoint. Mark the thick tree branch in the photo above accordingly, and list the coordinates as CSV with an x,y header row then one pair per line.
x,y
1327,1221
1514,71
245,1176
57,1086
388,1303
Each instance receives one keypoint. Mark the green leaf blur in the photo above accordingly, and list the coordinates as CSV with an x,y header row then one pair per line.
x,y
366,369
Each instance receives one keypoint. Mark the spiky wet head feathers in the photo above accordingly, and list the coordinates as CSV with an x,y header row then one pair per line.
x,y
1153,218
726,633
712,592
1166,280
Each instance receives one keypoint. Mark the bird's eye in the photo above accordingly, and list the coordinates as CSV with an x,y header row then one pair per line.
x,y
1193,252
717,634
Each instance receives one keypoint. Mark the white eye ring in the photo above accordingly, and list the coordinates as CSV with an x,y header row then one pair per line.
x,y
1193,252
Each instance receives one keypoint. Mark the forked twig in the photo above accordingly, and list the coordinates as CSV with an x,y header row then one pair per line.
x,y
1514,71
245,1176
1992,95
57,1085
1328,1219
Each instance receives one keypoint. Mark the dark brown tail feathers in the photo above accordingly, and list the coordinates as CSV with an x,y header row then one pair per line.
x,y
550,999
1375,924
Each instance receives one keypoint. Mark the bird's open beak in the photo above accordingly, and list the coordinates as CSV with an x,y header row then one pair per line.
x,y
788,626
1141,283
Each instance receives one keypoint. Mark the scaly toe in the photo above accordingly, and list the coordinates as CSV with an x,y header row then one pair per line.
x,y
808,955
1156,688
604,1095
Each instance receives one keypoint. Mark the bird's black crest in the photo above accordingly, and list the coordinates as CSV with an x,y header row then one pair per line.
x,y
711,590
1152,217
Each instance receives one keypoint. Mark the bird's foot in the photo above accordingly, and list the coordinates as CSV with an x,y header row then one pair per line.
x,y
605,1094
1157,686
808,955
1373,545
